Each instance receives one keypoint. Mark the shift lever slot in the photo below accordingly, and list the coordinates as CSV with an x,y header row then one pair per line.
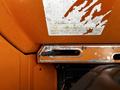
x,y
61,53
79,54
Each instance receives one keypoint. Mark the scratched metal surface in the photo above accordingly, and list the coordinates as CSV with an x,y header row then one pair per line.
x,y
89,54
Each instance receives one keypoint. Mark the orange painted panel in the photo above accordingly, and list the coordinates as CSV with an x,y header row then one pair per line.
x,y
21,72
44,77
13,32
23,23
9,67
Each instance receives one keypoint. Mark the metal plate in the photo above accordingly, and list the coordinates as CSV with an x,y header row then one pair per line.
x,y
88,54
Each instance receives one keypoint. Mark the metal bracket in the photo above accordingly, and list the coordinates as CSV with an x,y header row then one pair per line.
x,y
78,54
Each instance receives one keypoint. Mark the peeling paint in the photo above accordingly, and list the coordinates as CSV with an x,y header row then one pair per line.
x,y
65,17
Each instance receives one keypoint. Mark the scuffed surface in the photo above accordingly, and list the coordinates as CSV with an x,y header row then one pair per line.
x,y
61,21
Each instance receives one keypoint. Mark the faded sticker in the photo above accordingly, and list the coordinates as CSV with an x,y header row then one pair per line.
x,y
74,17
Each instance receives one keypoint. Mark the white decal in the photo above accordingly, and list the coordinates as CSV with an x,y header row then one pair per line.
x,y
64,17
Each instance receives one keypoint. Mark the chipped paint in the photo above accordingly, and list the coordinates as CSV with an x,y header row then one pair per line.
x,y
65,17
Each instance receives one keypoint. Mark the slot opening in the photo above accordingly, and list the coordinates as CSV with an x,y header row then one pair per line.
x,y
55,52
116,56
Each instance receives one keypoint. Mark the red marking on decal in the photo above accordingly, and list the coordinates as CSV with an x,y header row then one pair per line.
x,y
105,7
77,3
89,31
